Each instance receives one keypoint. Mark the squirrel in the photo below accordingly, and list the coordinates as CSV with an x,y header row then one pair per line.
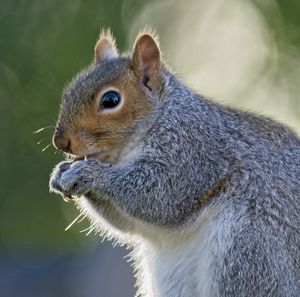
x,y
207,195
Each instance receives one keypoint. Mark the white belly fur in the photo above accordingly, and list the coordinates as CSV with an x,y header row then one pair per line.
x,y
185,268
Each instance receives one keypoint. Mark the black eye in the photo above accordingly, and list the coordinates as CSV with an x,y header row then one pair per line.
x,y
110,99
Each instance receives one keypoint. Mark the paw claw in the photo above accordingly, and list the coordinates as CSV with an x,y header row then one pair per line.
x,y
68,198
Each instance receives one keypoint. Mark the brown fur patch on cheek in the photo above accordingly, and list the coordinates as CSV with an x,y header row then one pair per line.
x,y
77,146
80,133
110,130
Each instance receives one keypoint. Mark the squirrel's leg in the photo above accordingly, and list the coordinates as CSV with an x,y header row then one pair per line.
x,y
146,190
142,190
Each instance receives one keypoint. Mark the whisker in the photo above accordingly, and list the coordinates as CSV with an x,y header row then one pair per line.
x,y
75,220
57,86
90,229
83,217
86,229
36,109
39,142
42,129
46,147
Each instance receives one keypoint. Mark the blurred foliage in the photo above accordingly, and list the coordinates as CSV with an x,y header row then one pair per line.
x,y
43,44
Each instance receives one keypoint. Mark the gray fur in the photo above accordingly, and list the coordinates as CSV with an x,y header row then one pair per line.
x,y
189,144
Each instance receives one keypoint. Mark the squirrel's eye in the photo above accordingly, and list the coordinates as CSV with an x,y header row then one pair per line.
x,y
110,99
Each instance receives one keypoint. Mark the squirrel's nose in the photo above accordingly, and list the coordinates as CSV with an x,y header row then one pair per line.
x,y
62,141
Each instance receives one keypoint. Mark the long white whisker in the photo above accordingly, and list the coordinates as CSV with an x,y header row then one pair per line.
x,y
86,229
46,147
42,129
89,229
75,220
93,227
84,216
39,142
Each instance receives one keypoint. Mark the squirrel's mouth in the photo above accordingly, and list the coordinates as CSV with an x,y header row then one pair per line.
x,y
95,156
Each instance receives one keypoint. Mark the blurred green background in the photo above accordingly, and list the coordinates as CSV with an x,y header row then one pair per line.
x,y
241,52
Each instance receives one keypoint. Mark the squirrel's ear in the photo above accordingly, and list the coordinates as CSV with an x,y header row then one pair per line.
x,y
146,60
105,48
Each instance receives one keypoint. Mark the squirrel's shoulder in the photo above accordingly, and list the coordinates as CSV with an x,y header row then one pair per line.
x,y
196,108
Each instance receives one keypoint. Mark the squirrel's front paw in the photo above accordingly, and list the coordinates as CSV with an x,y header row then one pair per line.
x,y
78,179
59,169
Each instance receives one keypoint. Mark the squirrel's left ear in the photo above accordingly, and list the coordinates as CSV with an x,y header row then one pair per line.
x,y
146,61
105,48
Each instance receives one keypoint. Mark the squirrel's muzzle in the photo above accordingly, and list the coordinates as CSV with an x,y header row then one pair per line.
x,y
61,140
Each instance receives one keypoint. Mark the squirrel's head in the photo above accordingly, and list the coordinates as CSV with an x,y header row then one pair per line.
x,y
102,106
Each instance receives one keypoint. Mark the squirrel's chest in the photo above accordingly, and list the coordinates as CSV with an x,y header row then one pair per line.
x,y
184,274
188,271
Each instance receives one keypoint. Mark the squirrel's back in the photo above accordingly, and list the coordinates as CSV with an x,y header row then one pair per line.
x,y
264,157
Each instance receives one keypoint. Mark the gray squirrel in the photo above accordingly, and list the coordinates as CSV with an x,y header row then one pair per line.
x,y
207,196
